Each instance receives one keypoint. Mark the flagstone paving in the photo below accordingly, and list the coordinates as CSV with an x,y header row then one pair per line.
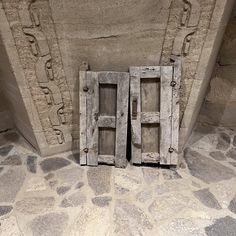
x,y
54,196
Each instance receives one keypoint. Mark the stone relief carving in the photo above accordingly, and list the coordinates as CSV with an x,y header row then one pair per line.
x,y
182,41
35,33
189,21
185,38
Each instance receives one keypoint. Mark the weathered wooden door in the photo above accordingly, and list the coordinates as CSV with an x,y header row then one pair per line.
x,y
103,117
154,108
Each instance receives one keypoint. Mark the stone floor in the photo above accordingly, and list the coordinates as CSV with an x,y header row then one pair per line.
x,y
55,196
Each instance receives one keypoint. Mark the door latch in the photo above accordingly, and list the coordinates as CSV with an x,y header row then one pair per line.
x,y
134,108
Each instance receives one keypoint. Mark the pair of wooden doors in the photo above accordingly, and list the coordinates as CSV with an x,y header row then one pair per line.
x,y
153,95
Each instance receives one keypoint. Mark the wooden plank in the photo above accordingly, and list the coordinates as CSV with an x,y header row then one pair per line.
x,y
107,141
165,114
92,115
150,95
175,112
145,71
136,157
107,99
150,117
150,157
150,137
82,108
122,119
150,72
107,121
106,159
107,77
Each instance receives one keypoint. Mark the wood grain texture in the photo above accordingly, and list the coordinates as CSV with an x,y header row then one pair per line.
x,y
107,141
150,117
175,112
122,119
136,157
150,137
92,113
83,122
106,159
150,157
107,121
166,114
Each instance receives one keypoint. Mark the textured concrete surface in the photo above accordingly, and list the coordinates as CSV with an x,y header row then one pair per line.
x,y
62,198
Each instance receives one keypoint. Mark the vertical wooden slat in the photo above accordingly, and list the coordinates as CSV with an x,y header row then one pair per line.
x,y
122,120
166,114
92,118
135,121
82,104
175,111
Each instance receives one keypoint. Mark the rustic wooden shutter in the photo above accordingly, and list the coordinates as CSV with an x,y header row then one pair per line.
x,y
103,117
154,102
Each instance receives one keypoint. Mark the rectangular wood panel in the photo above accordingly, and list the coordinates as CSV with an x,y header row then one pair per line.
x,y
92,112
106,113
154,104
83,123
166,114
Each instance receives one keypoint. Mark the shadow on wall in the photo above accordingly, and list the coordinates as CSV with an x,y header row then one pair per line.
x,y
219,108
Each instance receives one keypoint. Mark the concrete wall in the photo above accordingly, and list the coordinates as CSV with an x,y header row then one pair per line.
x,y
219,107
6,121
14,101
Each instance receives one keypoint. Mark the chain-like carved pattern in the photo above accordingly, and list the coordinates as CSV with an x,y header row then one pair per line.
x,y
54,121
185,38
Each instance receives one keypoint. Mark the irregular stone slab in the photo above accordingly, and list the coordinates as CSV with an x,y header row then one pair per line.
x,y
49,176
161,189
51,224
99,179
74,200
180,226
144,195
79,185
54,163
32,164
231,153
130,220
223,141
10,184
205,168
224,192
171,174
101,201
207,198
218,155
231,163
91,221
166,206
69,176
5,150
36,183
232,205
9,227
5,210
128,180
62,190
35,205
13,160
120,190
151,175
225,226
